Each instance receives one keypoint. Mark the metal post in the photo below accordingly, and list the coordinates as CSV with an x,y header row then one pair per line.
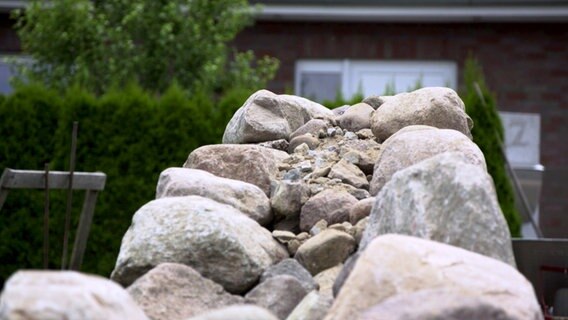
x,y
69,195
46,220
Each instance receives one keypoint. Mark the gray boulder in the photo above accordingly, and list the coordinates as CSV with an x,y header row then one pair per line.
x,y
445,199
357,117
176,291
279,294
291,267
266,116
249,163
434,106
245,197
394,266
325,250
215,239
416,143
39,295
330,205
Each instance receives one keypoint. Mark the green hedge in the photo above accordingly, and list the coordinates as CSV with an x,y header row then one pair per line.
x,y
127,134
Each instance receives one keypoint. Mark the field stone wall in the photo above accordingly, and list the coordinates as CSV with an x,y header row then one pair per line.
x,y
296,190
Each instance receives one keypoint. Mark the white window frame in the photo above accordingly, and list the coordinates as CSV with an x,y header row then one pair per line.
x,y
352,69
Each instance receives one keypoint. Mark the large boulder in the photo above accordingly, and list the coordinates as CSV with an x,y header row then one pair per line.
x,y
279,294
433,106
249,163
245,197
416,143
215,239
445,199
395,266
176,291
266,116
39,295
330,205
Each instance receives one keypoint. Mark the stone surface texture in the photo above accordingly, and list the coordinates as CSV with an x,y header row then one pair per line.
x,y
176,291
393,266
330,205
314,306
291,267
279,294
249,163
325,250
40,295
361,210
215,239
288,197
245,197
445,199
239,312
326,279
433,106
416,143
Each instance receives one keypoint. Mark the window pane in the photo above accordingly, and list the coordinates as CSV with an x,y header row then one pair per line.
x,y
320,86
5,75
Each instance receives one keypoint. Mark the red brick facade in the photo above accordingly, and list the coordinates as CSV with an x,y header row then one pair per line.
x,y
526,65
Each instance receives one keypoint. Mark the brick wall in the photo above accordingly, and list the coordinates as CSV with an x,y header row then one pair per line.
x,y
526,65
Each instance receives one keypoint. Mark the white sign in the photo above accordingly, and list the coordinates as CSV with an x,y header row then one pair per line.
x,y
522,137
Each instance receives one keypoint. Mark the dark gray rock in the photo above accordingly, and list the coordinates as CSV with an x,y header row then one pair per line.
x,y
292,268
279,294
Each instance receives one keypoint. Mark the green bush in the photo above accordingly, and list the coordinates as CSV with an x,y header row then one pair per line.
x,y
128,134
487,132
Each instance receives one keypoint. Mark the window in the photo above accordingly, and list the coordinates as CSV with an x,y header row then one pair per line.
x,y
6,72
322,80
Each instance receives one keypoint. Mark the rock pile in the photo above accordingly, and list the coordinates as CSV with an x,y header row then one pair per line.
x,y
386,203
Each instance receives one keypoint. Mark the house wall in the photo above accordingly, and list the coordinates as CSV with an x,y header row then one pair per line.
x,y
526,65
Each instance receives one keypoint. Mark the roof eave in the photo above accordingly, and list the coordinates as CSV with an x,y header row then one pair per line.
x,y
430,14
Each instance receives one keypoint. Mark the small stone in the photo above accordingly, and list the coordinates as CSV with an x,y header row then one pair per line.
x,y
293,246
305,166
302,149
280,144
284,167
350,174
350,136
325,250
331,205
376,101
311,141
360,229
302,236
283,236
321,172
365,134
331,132
351,157
292,175
318,227
361,209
